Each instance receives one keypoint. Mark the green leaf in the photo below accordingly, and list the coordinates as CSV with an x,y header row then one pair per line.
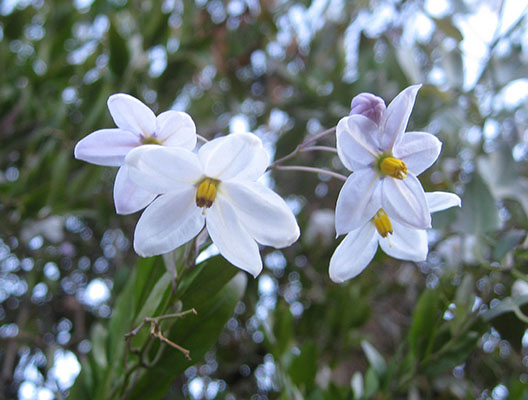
x,y
99,335
58,177
465,294
507,243
478,214
500,171
303,368
506,306
196,333
455,354
282,329
464,300
155,299
119,55
426,315
372,383
518,390
148,271
503,318
98,360
206,280
121,322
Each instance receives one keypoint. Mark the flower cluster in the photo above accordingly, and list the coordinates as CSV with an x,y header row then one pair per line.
x,y
383,202
185,188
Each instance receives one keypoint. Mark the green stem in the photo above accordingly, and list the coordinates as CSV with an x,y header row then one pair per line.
x,y
311,169
301,147
175,315
518,312
320,148
519,275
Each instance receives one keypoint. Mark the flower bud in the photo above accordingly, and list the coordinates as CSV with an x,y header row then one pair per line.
x,y
368,105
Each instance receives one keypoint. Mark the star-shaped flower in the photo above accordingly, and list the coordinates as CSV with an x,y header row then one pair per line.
x,y
136,126
217,188
385,162
397,240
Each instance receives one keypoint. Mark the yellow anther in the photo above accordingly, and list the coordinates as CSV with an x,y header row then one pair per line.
x,y
206,193
393,167
382,222
150,140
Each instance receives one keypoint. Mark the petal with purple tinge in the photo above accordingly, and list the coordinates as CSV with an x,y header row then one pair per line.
x,y
129,197
106,147
131,114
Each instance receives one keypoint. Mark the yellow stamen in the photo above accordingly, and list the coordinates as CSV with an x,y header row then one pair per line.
x,y
150,140
393,167
382,222
206,193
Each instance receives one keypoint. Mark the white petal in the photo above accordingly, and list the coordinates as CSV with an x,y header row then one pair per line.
x,y
160,169
175,128
235,156
405,243
169,222
396,117
358,200
419,150
232,240
356,141
438,201
262,212
131,114
354,253
129,197
404,200
106,147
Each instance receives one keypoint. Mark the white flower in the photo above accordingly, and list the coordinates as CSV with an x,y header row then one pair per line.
x,y
137,125
385,162
397,240
217,188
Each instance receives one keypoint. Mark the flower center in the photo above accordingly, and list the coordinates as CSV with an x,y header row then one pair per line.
x,y
393,167
206,193
150,140
382,223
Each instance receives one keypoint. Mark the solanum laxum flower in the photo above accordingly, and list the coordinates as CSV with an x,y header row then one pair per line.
x,y
137,125
397,240
385,161
217,188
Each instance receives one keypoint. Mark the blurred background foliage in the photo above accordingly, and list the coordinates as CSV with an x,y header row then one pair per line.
x,y
452,327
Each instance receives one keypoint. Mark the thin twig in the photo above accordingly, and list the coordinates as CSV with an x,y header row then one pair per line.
x,y
320,148
519,275
300,147
155,331
318,136
176,315
311,169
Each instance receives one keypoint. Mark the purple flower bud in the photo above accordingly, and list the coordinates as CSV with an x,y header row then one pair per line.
x,y
368,105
